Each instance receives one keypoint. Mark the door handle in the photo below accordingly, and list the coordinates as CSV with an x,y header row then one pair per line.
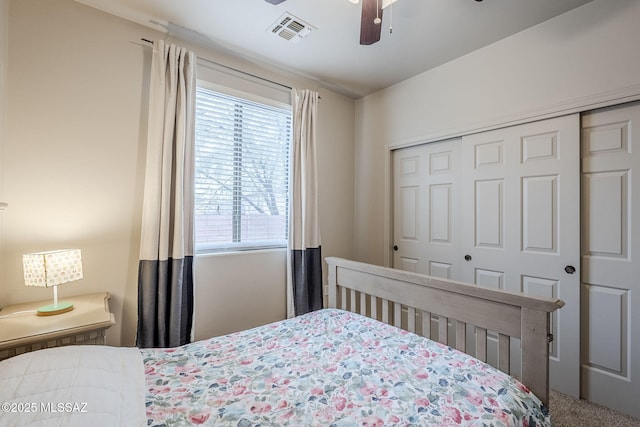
x,y
570,269
395,248
467,257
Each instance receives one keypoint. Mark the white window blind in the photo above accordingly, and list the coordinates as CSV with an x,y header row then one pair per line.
x,y
242,172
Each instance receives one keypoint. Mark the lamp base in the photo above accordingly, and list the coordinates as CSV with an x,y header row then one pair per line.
x,y
53,309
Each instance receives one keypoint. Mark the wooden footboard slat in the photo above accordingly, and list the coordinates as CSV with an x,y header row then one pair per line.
x,y
481,344
461,336
509,314
504,353
426,324
363,304
443,330
411,319
374,307
397,315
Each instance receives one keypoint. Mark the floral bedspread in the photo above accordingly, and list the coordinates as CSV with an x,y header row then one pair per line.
x,y
330,368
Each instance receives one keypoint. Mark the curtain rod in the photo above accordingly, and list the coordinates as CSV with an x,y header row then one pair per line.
x,y
233,69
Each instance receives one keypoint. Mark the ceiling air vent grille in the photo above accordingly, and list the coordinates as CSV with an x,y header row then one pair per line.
x,y
290,28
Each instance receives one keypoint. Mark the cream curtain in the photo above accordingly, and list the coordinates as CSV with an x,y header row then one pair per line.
x,y
165,276
304,288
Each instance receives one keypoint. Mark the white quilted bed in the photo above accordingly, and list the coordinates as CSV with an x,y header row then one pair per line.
x,y
73,386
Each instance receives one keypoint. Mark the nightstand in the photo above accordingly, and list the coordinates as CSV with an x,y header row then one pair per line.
x,y
85,324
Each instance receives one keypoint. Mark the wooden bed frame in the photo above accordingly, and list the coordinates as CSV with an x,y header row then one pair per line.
x,y
410,301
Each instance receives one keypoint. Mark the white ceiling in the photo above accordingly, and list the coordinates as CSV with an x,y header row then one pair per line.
x,y
426,33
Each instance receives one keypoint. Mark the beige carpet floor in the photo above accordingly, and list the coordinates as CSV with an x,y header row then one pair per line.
x,y
569,412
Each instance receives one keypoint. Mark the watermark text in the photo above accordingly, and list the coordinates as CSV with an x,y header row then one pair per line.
x,y
47,407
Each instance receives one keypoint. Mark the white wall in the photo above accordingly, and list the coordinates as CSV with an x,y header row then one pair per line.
x,y
74,170
4,60
235,282
583,59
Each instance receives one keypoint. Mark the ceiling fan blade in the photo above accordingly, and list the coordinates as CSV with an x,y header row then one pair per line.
x,y
274,1
369,30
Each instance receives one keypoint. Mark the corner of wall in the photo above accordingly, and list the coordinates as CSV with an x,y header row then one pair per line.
x,y
4,61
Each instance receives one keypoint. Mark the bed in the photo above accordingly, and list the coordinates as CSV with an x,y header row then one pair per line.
x,y
358,362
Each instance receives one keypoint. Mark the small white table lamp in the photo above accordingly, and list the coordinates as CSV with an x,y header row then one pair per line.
x,y
52,269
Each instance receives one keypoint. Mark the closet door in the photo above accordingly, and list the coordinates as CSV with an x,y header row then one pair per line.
x,y
427,215
611,258
500,209
520,195
427,209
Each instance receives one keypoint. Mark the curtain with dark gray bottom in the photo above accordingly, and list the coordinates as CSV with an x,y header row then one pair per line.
x,y
304,288
165,302
307,279
165,276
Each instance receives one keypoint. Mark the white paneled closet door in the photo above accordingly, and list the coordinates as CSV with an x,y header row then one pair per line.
x,y
427,214
427,209
611,258
504,213
520,195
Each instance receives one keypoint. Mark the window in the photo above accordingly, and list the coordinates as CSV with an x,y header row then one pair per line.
x,y
242,172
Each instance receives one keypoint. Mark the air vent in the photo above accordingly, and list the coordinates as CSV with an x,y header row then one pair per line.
x,y
290,28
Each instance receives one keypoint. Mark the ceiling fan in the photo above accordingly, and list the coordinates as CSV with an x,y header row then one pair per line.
x,y
371,21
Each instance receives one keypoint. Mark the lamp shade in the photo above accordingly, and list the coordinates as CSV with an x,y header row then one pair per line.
x,y
52,268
